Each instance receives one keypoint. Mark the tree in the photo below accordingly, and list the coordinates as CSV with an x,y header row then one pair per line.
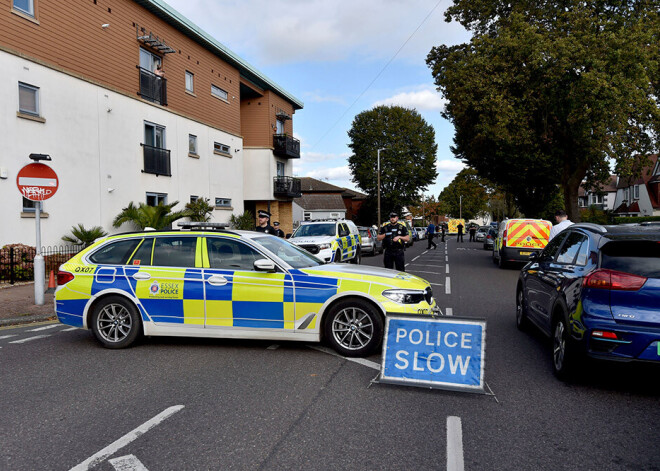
x,y
466,196
546,93
199,210
141,216
82,236
425,208
407,158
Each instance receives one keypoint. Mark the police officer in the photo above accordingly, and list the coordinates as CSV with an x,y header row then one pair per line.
x,y
394,235
278,232
264,219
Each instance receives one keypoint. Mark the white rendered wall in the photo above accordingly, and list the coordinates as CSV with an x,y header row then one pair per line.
x,y
260,169
93,136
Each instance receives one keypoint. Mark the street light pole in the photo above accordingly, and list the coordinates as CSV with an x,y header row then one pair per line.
x,y
378,183
460,207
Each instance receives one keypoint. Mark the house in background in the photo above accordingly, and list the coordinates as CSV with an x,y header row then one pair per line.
x,y
321,200
640,196
603,199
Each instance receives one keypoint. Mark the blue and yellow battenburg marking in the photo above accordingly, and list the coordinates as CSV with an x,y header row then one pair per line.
x,y
347,245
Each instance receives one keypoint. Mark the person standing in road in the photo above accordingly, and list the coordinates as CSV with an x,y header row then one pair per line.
x,y
459,237
442,231
430,233
394,235
562,223
278,232
263,226
473,233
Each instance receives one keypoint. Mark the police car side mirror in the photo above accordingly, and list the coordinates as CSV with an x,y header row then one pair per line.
x,y
288,236
264,264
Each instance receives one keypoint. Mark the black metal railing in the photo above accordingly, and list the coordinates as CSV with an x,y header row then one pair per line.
x,y
286,146
287,187
153,87
156,160
17,261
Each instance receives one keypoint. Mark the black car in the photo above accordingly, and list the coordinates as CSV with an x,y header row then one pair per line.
x,y
595,290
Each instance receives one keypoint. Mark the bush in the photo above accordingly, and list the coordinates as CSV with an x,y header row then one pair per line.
x,y
635,220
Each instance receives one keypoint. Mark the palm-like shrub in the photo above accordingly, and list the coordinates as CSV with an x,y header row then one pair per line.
x,y
143,215
199,210
243,221
82,236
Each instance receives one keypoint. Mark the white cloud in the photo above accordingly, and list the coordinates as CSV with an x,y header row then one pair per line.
x,y
318,97
330,173
451,166
423,98
309,157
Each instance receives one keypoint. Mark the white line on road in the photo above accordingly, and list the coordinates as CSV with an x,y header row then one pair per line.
x,y
449,311
415,258
44,328
447,269
30,338
360,361
446,259
431,272
70,329
127,463
447,286
455,444
435,284
7,336
126,439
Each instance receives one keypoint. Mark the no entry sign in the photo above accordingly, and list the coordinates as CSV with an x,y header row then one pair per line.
x,y
37,182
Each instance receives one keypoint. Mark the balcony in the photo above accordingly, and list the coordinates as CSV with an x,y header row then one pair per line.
x,y
287,187
153,87
286,146
156,160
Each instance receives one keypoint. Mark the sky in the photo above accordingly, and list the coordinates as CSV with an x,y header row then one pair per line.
x,y
340,58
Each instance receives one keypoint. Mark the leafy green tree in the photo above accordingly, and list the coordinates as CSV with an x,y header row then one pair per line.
x,y
407,158
467,195
426,207
546,93
82,236
199,210
143,215
243,221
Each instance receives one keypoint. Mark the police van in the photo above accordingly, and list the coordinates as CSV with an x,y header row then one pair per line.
x,y
229,284
331,240
517,239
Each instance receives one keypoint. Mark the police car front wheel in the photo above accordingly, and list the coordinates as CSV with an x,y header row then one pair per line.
x,y
354,328
115,322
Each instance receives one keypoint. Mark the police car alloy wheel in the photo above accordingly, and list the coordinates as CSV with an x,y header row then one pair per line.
x,y
357,259
115,322
354,328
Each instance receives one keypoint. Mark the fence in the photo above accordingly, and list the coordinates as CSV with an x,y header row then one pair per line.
x,y
17,261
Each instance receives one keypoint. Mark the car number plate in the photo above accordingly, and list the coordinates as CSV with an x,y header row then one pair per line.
x,y
525,253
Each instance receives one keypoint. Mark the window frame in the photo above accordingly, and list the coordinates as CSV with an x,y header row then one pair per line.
x,y
157,128
218,148
219,95
191,76
635,192
37,112
226,205
159,197
24,12
32,205
194,151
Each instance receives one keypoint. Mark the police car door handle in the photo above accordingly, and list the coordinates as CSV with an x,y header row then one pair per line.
x,y
217,280
141,276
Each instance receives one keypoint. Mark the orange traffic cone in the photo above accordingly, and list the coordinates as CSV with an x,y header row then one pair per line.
x,y
51,283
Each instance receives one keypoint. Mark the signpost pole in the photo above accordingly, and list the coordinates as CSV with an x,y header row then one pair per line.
x,y
39,265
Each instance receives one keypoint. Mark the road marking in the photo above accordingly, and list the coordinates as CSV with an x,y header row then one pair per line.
x,y
127,463
447,286
30,338
44,328
361,361
435,284
126,439
431,272
455,460
415,258
2,337
446,259
70,329
449,311
424,264
447,269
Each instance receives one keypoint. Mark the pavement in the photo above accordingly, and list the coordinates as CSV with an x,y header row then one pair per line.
x,y
17,305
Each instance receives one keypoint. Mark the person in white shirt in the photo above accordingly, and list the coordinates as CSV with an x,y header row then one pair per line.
x,y
562,223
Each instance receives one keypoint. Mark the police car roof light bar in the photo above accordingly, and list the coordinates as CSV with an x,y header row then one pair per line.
x,y
203,225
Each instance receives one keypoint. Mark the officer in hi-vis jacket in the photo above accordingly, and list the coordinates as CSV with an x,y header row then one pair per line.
x,y
394,235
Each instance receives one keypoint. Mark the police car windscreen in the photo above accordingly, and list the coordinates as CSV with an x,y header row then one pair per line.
x,y
291,254
315,230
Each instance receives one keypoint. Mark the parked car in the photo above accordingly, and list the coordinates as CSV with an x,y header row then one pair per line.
x,y
370,243
331,240
203,282
421,233
595,290
481,233
411,233
489,240
517,239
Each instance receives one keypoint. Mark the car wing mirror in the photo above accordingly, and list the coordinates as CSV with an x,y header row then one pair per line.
x,y
264,264
534,257
288,236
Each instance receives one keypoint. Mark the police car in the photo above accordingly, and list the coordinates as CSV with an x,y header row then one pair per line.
x,y
331,240
204,282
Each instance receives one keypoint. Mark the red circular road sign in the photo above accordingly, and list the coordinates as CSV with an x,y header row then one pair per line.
x,y
37,182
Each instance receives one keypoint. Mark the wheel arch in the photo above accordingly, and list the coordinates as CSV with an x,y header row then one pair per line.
x,y
323,315
87,316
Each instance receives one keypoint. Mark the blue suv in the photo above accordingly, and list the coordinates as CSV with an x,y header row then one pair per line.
x,y
595,290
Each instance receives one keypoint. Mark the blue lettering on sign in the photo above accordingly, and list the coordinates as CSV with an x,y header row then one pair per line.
x,y
442,352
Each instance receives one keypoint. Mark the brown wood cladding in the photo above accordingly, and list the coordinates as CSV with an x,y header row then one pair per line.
x,y
69,36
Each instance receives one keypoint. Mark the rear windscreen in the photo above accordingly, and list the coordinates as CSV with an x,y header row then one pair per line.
x,y
636,257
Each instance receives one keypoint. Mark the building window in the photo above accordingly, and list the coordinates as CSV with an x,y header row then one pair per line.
x,y
192,144
29,206
149,61
154,199
154,135
189,82
219,92
307,216
220,148
24,6
280,169
28,99
193,198
223,202
279,126
636,192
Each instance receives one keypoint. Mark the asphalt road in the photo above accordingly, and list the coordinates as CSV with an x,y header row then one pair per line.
x,y
197,404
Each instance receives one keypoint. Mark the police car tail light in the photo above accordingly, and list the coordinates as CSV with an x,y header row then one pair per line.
x,y
63,277
404,296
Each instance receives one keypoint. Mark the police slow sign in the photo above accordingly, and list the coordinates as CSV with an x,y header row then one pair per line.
x,y
440,352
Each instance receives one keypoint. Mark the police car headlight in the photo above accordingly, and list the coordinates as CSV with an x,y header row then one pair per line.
x,y
324,246
404,296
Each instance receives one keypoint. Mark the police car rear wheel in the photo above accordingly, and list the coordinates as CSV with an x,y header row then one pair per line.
x,y
358,257
338,256
354,328
115,322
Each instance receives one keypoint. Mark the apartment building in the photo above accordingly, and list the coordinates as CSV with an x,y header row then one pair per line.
x,y
135,103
